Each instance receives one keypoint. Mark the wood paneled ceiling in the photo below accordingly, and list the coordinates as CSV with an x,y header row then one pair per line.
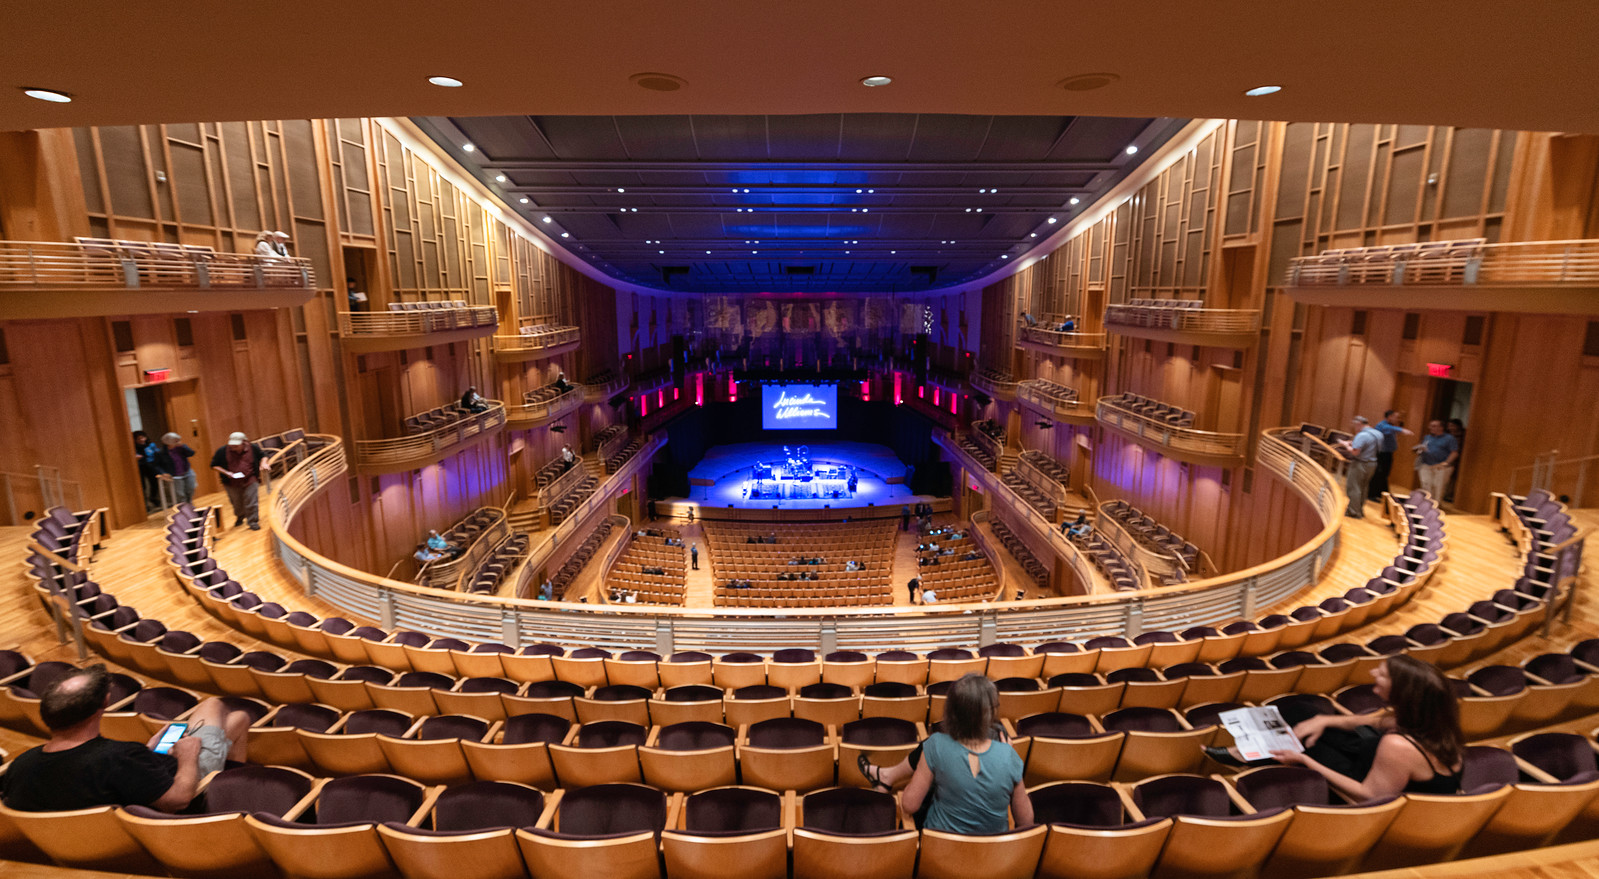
x,y
879,202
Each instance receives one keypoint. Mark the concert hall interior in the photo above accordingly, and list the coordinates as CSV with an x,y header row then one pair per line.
x,y
597,440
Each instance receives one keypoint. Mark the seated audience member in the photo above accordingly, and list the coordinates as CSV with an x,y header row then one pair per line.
x,y
852,565
561,383
436,543
972,776
1069,325
425,555
79,769
567,458
472,401
928,597
1081,527
971,556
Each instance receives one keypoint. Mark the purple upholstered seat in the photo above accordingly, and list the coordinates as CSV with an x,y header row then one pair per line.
x,y
611,809
1079,804
300,618
311,668
692,693
336,626
448,644
370,674
1189,670
1360,699
253,789
1205,715
492,647
939,688
452,726
786,733
528,728
760,691
1388,645
889,690
639,656
486,805
689,656
306,716
1343,652
1076,679
1055,725
1171,795
543,650
553,690
1244,663
1294,659
1018,685
897,656
376,720
695,735
1499,680
850,810
610,734
1283,786
409,639
1556,668
220,652
1058,647
878,732
361,799
1486,767
1566,756
825,691
590,653
846,656
1001,650
429,679
163,703
1106,641
950,653
1142,719
488,685
172,642
368,633
732,810
792,654
1136,674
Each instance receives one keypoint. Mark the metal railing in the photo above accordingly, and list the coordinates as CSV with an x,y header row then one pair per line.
x,y
44,487
563,484
994,387
1160,563
1159,433
540,339
1042,397
600,391
548,410
1058,338
1035,476
1188,320
518,621
418,447
1564,478
416,321
1453,263
136,265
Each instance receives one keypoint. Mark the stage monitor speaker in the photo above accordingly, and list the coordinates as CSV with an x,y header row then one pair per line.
x,y
981,399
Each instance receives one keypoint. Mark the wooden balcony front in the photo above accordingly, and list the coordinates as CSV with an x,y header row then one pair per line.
x,y
1183,443
536,343
52,279
599,392
377,456
995,386
418,325
1055,401
1540,277
1085,346
537,413
1177,321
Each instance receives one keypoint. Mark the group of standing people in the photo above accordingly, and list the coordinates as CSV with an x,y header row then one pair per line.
x,y
1369,456
237,464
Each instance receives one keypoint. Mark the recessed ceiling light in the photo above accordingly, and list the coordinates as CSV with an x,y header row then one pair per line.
x,y
566,234
1053,221
1075,200
523,200
1259,90
662,251
863,210
968,210
658,82
981,191
546,218
448,82
1132,150
467,148
870,191
499,178
755,251
1083,82
875,81
1033,235
707,252
977,210
50,95
1004,256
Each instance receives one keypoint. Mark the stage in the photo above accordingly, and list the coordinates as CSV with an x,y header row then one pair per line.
x,y
759,476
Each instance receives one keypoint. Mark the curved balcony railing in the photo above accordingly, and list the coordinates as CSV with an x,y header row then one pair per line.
x,y
418,449
601,391
105,276
1165,436
534,414
1471,262
1038,395
536,342
995,387
1073,341
1156,563
1186,320
417,321
519,621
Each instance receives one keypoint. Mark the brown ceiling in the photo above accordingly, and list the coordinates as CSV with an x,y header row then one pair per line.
x,y
1529,64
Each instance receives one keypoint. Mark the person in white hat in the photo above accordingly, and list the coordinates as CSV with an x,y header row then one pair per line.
x,y
271,244
238,464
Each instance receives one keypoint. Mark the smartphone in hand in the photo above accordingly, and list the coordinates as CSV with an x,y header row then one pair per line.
x,y
169,737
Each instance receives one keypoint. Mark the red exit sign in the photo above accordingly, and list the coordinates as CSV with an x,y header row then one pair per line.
x,y
1441,370
151,376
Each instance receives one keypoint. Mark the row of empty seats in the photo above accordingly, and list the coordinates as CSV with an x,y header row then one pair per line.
x,y
955,577
566,574
1027,491
1424,262
505,557
1123,573
439,417
72,536
977,451
433,305
1008,538
1150,312
1155,410
581,490
618,459
483,523
549,393
1150,534
167,264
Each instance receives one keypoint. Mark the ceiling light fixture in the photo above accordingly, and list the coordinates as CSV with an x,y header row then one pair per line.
x,y
448,82
566,234
1075,200
1083,82
870,191
1004,256
524,200
1033,235
981,191
1053,221
1132,150
1260,90
872,82
499,178
468,148
661,251
658,82
546,218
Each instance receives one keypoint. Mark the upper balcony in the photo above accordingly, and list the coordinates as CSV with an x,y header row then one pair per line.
x,y
1185,321
1046,337
100,276
1055,400
654,380
604,386
436,434
544,406
996,384
1167,431
535,343
1547,277
415,325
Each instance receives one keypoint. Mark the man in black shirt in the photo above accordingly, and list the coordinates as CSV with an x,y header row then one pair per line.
x,y
80,769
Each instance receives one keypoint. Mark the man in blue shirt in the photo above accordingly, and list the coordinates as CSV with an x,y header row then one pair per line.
x,y
1361,453
1392,427
1435,459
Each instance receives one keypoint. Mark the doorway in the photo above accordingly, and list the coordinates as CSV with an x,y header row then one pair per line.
x,y
360,266
170,407
1450,399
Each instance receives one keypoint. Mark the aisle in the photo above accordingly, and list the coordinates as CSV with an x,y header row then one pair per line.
x,y
699,587
904,561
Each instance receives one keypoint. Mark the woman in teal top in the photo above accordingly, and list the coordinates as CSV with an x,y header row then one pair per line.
x,y
971,776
